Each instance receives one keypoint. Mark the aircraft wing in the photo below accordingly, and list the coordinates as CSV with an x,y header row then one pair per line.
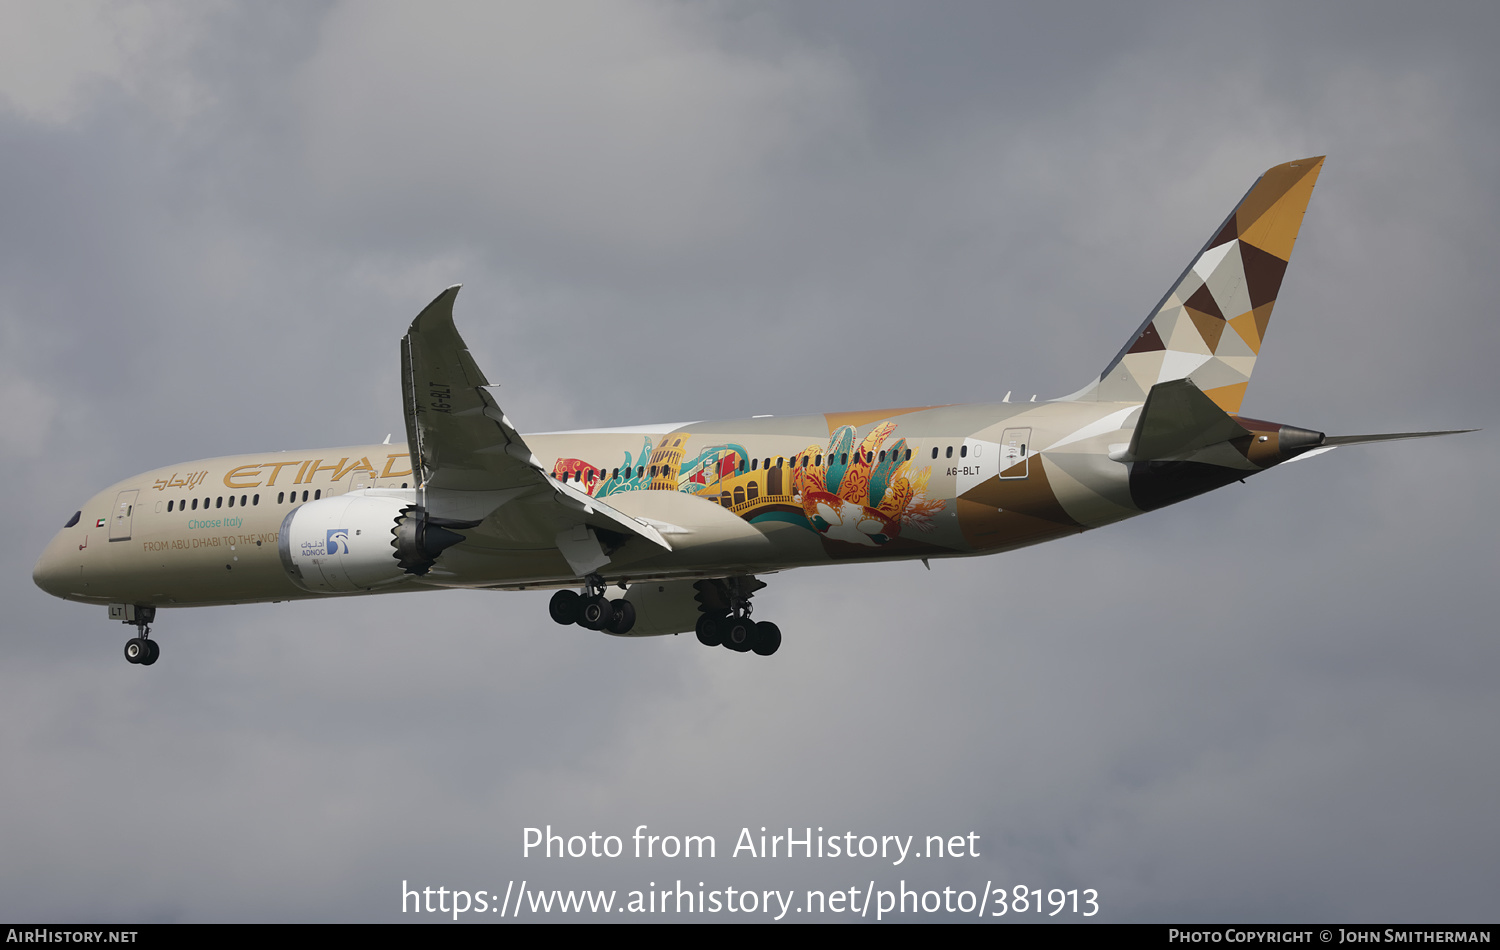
x,y
475,471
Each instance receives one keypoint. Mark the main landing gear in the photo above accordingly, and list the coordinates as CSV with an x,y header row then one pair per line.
x,y
591,610
140,650
725,620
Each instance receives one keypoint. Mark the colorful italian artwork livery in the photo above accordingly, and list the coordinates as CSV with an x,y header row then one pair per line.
x,y
865,494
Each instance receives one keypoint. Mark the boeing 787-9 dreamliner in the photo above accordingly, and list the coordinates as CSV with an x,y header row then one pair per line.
x,y
659,529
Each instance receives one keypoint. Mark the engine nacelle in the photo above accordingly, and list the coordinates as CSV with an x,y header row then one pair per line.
x,y
359,542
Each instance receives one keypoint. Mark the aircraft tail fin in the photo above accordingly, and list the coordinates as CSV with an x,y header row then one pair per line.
x,y
1209,326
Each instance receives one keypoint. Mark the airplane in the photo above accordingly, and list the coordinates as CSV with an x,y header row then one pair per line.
x,y
663,529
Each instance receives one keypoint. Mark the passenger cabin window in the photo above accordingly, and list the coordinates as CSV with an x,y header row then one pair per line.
x,y
280,497
963,452
948,454
934,451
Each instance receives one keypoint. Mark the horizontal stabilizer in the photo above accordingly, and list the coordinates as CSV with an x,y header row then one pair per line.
x,y
1177,420
1331,442
1336,440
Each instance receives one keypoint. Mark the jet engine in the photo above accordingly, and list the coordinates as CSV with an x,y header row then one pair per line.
x,y
359,542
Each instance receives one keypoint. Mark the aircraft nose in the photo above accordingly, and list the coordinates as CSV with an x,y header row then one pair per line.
x,y
54,570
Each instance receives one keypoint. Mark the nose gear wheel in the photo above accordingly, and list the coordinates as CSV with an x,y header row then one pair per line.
x,y
141,650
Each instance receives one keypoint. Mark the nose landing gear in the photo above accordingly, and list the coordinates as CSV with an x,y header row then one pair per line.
x,y
140,650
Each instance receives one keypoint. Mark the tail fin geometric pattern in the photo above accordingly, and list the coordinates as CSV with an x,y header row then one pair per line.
x,y
1209,327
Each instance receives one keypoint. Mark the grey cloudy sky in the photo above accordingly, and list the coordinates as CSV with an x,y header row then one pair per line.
x,y
1272,703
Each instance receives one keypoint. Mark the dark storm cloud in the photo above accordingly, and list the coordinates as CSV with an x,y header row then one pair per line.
x,y
1269,703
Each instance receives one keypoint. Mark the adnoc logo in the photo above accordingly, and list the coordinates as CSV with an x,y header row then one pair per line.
x,y
338,541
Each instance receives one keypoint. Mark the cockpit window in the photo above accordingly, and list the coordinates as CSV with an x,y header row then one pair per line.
x,y
73,520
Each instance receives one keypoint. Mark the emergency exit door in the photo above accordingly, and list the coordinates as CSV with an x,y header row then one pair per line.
x,y
1015,449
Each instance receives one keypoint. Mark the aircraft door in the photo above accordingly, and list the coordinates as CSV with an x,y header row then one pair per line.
x,y
1015,450
119,523
359,479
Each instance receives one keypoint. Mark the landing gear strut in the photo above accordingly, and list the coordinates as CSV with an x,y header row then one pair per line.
x,y
140,649
591,609
725,621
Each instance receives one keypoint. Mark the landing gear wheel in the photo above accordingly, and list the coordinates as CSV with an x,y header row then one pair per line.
x,y
595,613
153,650
711,629
623,619
136,650
565,607
767,638
738,632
